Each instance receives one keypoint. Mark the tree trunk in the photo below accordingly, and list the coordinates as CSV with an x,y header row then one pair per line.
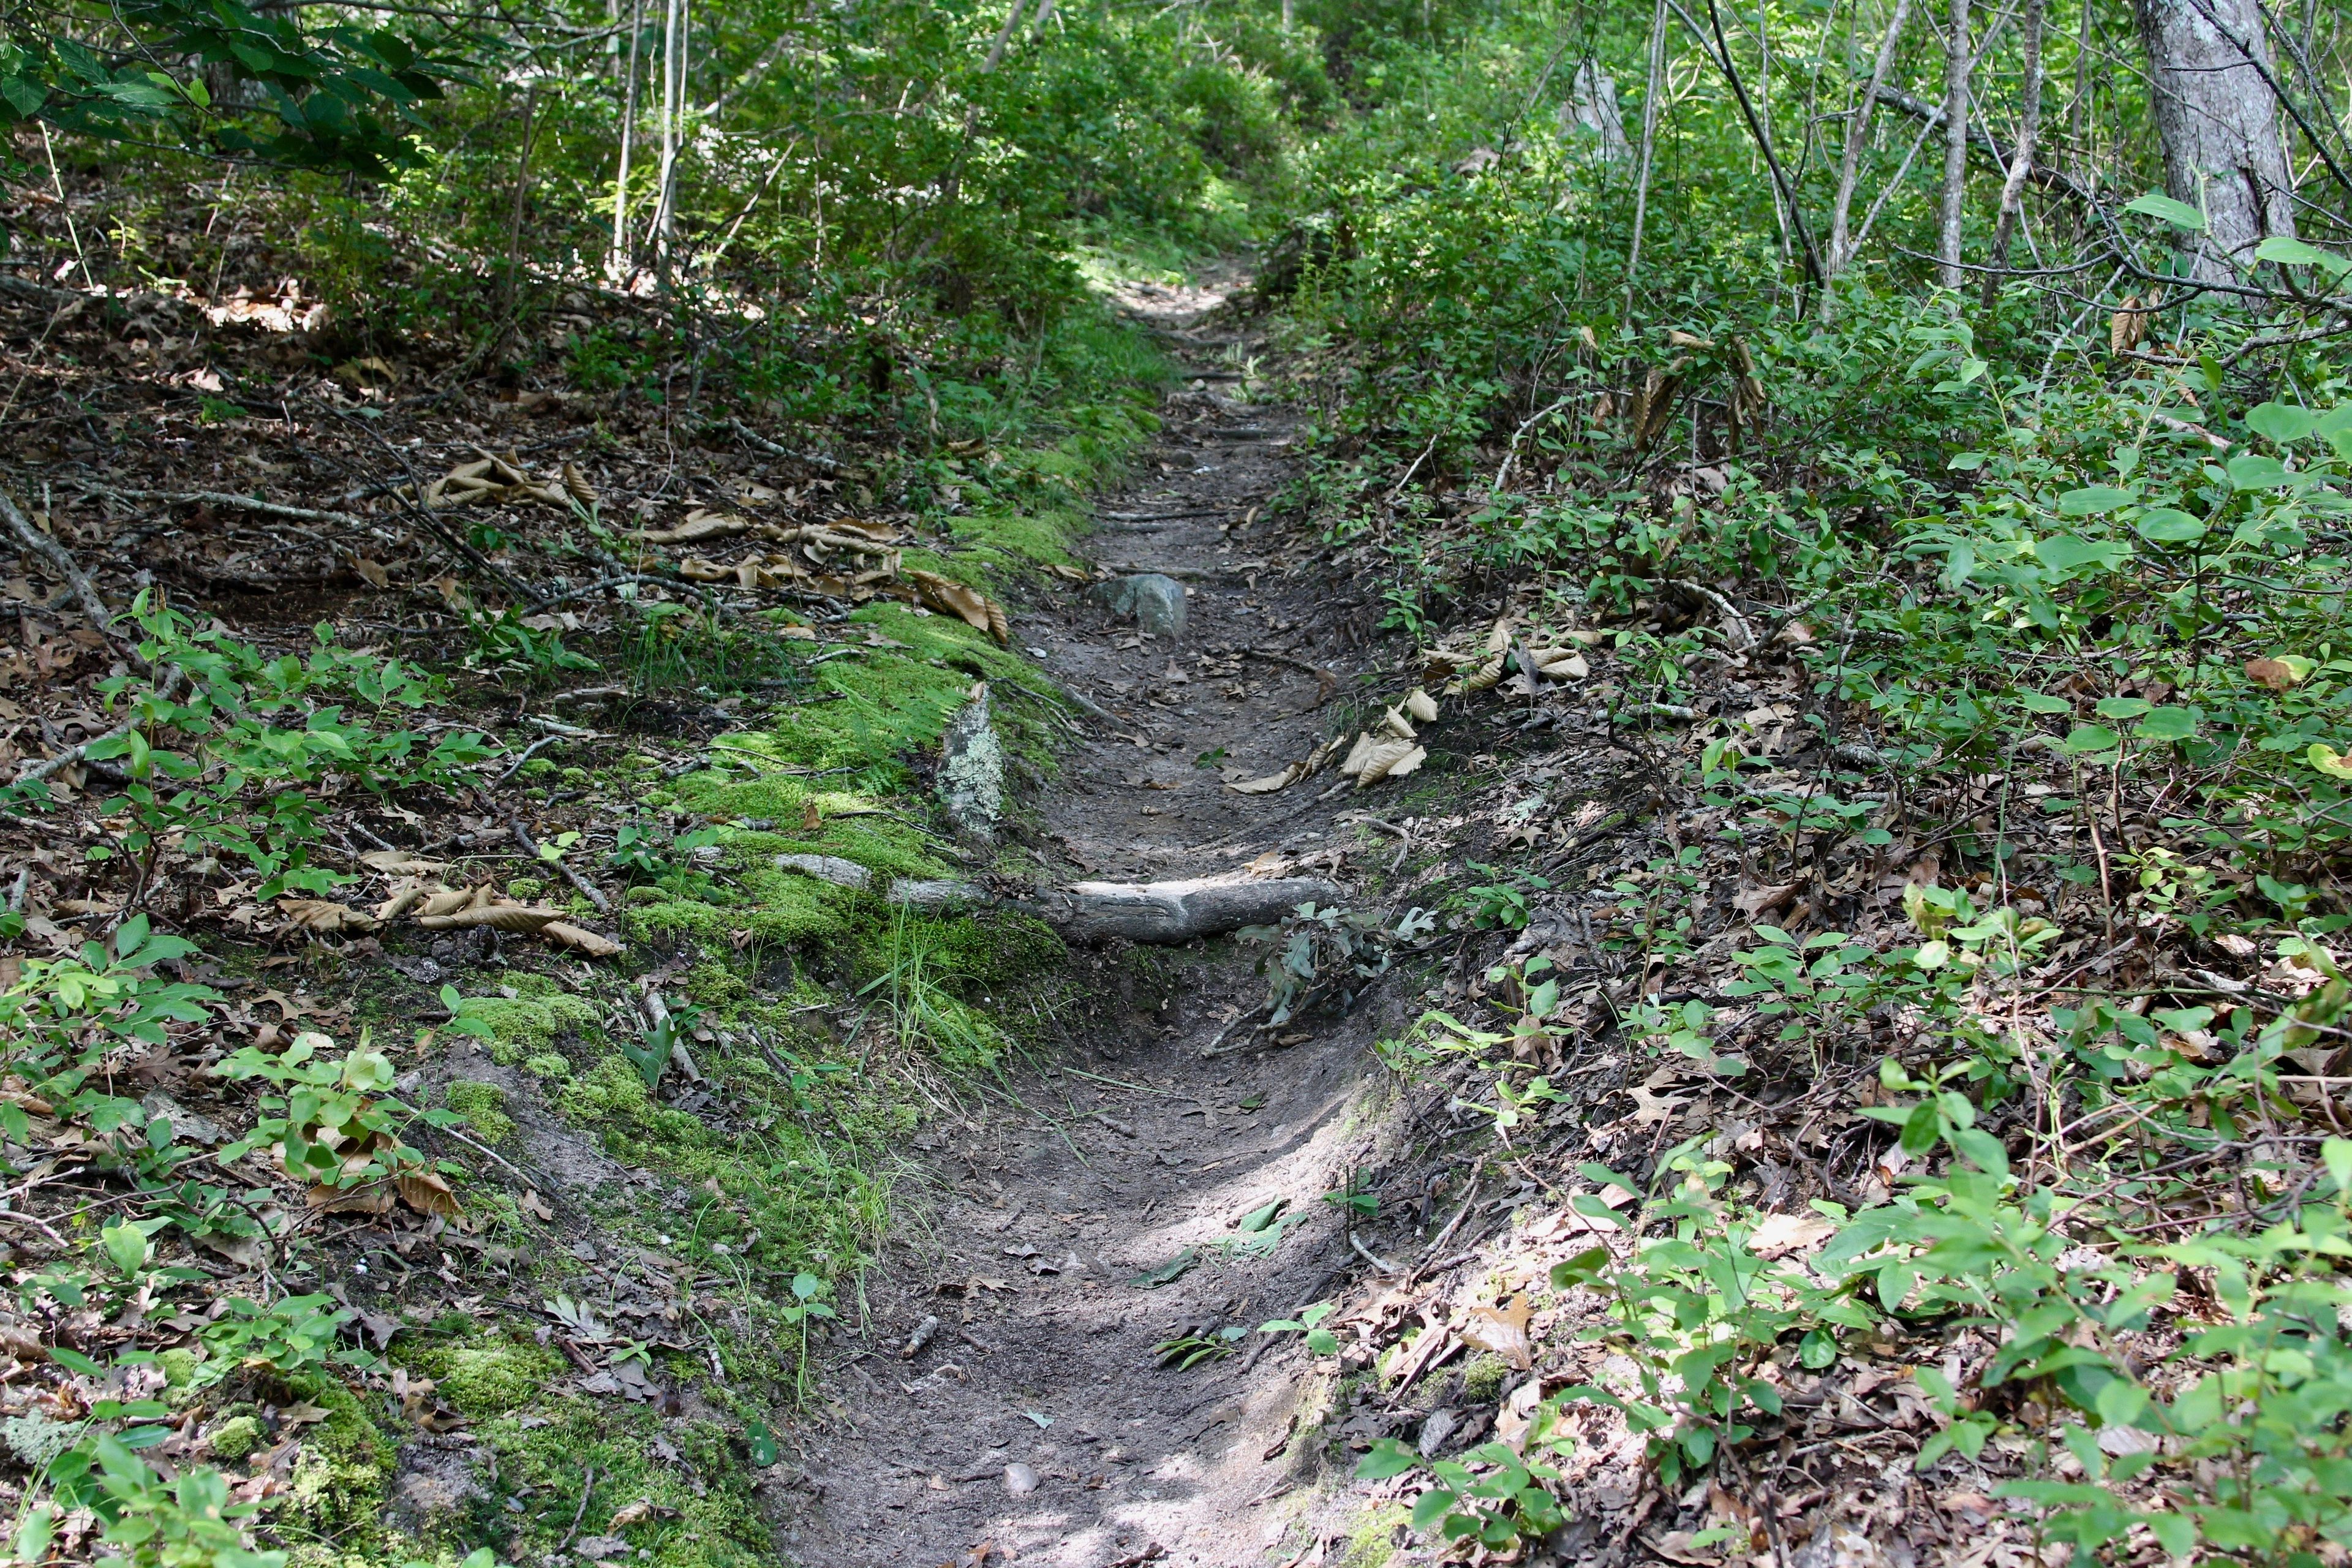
x,y
1959,58
2217,110
617,266
2029,125
1135,911
674,45
1857,135
1649,145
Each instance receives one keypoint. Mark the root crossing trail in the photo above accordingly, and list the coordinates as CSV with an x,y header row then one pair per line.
x,y
1069,1233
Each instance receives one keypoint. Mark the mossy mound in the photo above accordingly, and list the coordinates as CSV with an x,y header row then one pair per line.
x,y
484,1107
489,1376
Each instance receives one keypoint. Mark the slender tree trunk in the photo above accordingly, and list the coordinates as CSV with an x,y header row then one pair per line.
x,y
674,44
1650,107
1959,58
2078,112
511,287
1857,135
1003,37
2217,110
618,264
2021,164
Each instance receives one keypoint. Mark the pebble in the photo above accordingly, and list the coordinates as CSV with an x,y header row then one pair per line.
x,y
1019,1480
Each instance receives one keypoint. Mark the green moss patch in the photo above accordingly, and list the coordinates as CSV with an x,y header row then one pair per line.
x,y
488,1377
484,1107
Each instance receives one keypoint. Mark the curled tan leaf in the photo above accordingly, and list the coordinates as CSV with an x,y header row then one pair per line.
x,y
324,916
1422,706
1270,783
447,901
401,863
427,1193
1397,724
404,899
518,918
580,939
1390,759
697,527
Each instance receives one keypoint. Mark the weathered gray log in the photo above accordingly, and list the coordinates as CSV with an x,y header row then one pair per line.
x,y
1138,911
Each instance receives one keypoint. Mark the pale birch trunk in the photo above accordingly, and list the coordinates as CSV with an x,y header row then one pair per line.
x,y
1958,59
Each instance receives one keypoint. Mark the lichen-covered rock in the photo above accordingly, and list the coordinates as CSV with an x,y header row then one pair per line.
x,y
1153,602
971,770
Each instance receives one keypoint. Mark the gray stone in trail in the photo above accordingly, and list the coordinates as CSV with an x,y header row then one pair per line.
x,y
1154,602
971,770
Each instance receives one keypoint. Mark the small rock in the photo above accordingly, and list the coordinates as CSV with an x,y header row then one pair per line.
x,y
1019,1480
1153,602
597,1548
184,1122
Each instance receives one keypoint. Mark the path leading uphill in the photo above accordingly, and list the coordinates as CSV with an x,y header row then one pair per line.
x,y
1071,1234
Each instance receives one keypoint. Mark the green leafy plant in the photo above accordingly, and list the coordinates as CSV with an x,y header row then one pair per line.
x,y
334,1126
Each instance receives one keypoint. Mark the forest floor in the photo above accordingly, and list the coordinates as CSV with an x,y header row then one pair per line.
x,y
1071,1233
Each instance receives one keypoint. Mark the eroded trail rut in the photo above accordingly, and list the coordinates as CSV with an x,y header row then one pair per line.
x,y
1035,1424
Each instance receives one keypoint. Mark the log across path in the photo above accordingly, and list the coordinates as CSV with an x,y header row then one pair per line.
x,y
1007,1400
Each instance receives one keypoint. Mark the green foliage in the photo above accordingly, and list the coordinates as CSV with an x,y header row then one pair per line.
x,y
339,97
261,736
332,1125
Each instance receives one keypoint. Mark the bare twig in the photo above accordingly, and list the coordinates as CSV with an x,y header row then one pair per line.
x,y
60,560
530,847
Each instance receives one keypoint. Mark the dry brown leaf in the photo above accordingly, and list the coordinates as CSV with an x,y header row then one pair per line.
x,y
1390,759
336,1200
404,900
949,597
2128,326
2276,674
401,863
698,526
536,1207
1484,677
1358,753
578,939
1502,1332
447,901
324,916
1422,706
1784,1233
1562,664
1269,782
576,485
427,1193
372,572
518,918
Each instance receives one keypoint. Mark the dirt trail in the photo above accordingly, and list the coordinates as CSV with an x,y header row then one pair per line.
x,y
1045,1217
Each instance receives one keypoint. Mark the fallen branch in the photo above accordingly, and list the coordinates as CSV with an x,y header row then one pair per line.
x,y
1135,911
60,560
167,692
587,889
814,459
1735,630
229,498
